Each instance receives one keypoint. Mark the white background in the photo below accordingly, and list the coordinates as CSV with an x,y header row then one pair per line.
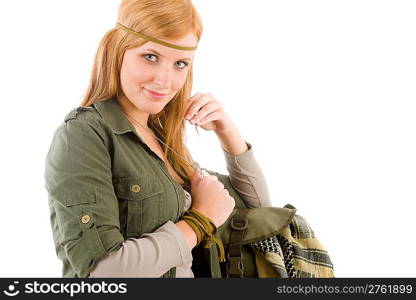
x,y
324,91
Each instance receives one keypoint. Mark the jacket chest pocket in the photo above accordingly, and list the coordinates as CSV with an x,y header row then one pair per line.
x,y
143,197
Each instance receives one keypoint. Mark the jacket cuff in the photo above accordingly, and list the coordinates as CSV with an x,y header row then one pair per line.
x,y
243,159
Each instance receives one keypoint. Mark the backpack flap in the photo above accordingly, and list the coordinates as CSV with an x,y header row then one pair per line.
x,y
245,226
263,222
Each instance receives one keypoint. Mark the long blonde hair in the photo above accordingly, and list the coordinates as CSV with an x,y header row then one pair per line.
x,y
161,19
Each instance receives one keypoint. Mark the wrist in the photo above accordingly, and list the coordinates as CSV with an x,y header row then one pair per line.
x,y
232,142
226,131
188,232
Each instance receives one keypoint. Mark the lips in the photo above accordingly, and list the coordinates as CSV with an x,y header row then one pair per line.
x,y
155,93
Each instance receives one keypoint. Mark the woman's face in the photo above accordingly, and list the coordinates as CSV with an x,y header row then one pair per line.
x,y
155,68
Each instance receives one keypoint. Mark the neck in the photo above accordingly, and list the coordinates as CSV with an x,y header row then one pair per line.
x,y
133,112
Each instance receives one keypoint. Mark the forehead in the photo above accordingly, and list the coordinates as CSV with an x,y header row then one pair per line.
x,y
188,40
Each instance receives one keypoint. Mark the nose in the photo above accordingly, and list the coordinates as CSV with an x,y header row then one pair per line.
x,y
163,77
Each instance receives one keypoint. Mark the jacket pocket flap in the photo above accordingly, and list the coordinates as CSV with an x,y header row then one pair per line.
x,y
263,222
137,188
72,198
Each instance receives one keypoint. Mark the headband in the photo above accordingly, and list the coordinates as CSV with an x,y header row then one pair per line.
x,y
154,40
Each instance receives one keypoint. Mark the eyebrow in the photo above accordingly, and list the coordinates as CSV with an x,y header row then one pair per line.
x,y
149,49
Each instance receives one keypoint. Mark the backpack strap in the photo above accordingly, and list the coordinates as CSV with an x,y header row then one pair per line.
x,y
238,224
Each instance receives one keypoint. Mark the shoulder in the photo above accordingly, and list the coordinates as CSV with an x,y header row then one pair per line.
x,y
82,124
82,113
81,133
87,117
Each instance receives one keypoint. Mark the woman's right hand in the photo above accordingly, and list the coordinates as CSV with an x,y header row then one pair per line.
x,y
210,198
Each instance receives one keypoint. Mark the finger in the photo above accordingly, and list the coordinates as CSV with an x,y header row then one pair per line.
x,y
189,103
198,103
216,115
204,172
196,177
196,96
205,110
195,105
210,177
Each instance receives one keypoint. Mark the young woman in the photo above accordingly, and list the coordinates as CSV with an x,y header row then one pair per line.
x,y
118,174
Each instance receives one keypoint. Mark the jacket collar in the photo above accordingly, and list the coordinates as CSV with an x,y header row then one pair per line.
x,y
111,112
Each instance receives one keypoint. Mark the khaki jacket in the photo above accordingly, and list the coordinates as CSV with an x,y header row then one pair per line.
x,y
106,185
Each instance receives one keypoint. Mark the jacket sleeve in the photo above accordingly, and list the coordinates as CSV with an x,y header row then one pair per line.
x,y
83,206
151,255
247,178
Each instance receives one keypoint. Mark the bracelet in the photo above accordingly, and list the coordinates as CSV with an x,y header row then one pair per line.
x,y
205,229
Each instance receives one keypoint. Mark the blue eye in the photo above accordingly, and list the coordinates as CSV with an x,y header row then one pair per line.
x,y
185,64
180,64
147,55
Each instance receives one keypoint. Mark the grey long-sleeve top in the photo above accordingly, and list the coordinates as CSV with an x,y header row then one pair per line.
x,y
153,254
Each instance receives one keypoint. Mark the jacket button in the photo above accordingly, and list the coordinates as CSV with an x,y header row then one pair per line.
x,y
85,219
135,188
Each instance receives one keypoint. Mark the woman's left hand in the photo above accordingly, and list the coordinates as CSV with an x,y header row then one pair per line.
x,y
205,111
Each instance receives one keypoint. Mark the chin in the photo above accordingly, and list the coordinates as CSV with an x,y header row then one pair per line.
x,y
146,105
154,108
154,111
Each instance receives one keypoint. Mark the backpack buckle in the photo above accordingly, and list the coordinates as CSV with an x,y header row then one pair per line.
x,y
235,266
239,224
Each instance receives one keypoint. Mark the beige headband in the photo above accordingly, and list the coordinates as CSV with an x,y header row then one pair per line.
x,y
154,40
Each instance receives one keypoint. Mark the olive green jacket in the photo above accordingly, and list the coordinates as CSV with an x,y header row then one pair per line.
x,y
106,185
